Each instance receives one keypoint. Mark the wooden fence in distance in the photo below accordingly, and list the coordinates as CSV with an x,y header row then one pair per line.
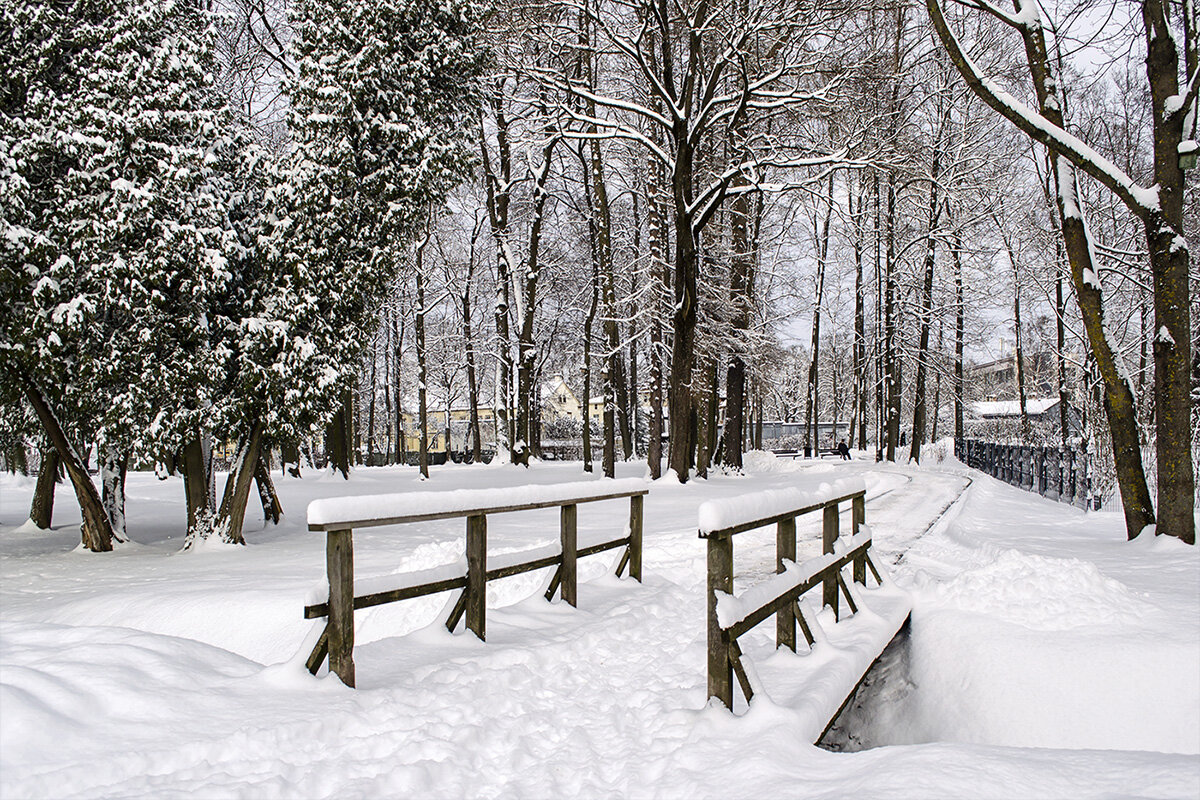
x,y
1057,473
724,654
337,640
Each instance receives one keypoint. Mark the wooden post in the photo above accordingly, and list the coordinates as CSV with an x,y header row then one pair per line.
x,y
570,548
635,537
720,579
858,517
339,563
829,535
477,575
785,548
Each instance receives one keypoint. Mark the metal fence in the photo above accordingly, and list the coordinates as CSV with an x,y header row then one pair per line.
x,y
1064,474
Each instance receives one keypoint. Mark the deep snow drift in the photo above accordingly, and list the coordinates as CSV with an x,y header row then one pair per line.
x,y
1047,656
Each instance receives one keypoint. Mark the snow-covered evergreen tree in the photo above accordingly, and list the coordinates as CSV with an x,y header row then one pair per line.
x,y
114,224
381,97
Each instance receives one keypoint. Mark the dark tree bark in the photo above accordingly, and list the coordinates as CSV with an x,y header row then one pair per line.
x,y
959,338
891,353
935,208
1119,403
422,370
198,486
114,466
339,436
499,196
96,531
821,241
232,513
526,347
272,508
660,278
41,510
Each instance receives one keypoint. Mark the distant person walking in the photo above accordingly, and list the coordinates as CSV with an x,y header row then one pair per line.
x,y
843,450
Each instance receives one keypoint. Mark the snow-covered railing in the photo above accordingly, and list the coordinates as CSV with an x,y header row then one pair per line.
x,y
729,617
338,518
1056,473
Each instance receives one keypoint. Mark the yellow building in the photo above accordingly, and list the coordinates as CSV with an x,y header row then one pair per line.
x,y
460,419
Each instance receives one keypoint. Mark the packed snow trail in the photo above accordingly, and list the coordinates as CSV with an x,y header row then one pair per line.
x,y
160,656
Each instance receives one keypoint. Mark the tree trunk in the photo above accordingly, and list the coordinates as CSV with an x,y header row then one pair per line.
x,y
398,363
198,485
41,510
1060,355
527,295
472,380
499,187
860,323
114,465
95,531
339,435
880,342
811,411
891,355
272,508
232,514
919,410
959,338
659,277
1169,264
739,280
1119,403
371,409
679,397
422,370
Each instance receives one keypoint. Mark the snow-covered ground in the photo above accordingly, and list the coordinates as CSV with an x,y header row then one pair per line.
x,y
1047,656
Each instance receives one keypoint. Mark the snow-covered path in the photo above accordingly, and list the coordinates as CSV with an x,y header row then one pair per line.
x,y
150,672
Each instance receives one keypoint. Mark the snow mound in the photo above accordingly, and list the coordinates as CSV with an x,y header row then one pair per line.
x,y
763,461
1039,593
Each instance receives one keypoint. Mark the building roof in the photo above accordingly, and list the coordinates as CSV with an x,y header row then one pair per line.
x,y
1012,408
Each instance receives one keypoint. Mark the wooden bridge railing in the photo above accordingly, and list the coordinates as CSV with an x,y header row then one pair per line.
x,y
338,518
729,617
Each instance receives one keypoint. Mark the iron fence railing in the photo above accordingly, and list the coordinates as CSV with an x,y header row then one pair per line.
x,y
1058,473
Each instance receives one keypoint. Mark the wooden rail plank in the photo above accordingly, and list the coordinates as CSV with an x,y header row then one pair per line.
x,y
775,519
390,596
757,617
407,518
318,610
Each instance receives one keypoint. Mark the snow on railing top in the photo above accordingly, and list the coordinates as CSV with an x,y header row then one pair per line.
x,y
732,610
766,506
363,511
